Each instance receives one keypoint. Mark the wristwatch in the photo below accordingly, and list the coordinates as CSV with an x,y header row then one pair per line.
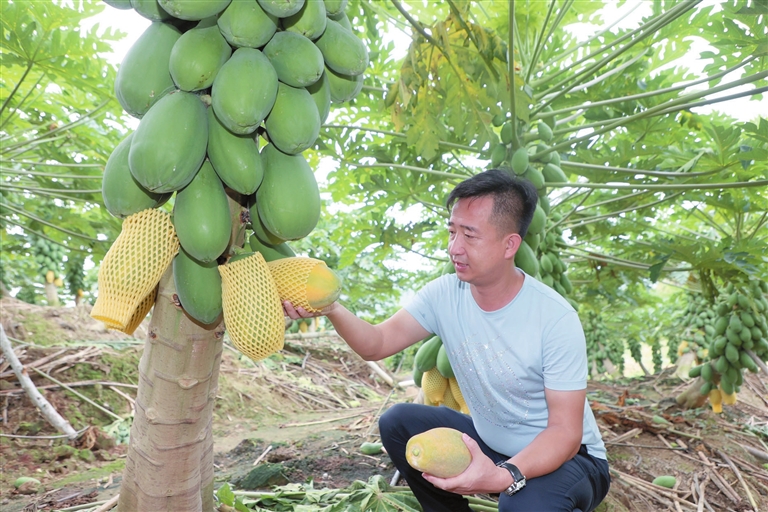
x,y
518,478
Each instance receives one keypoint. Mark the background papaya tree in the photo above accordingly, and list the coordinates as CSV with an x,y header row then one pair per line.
x,y
619,105
58,124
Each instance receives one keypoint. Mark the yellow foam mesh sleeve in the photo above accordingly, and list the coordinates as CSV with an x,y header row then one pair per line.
x,y
434,385
449,401
453,385
292,277
133,266
253,313
141,312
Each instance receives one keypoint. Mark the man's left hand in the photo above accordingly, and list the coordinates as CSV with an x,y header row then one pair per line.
x,y
482,476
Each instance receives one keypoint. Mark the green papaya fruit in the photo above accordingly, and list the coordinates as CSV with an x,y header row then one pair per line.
x,y
747,362
259,231
726,386
343,87
294,123
550,119
197,56
310,21
721,324
498,119
545,158
548,280
321,94
288,199
169,145
143,77
555,158
745,335
342,19
506,133
201,216
198,285
735,323
235,158
417,376
731,353
297,61
544,203
443,364
566,283
342,50
544,131
520,161
369,448
498,154
244,91
706,372
333,7
150,9
532,240
525,259
268,251
546,265
533,175
426,356
193,9
119,4
245,24
281,8
553,174
746,319
694,371
538,221
706,388
122,194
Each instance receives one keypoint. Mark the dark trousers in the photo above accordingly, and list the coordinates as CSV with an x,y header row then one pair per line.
x,y
579,485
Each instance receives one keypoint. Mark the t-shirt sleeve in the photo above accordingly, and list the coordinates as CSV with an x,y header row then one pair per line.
x,y
565,355
423,306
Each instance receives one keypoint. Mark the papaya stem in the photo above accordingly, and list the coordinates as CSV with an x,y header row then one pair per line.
x,y
411,168
511,75
401,135
665,174
539,44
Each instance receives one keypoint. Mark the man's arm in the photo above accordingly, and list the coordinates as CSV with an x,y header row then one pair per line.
x,y
555,445
371,342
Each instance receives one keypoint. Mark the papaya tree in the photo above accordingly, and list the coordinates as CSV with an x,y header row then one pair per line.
x,y
615,112
57,125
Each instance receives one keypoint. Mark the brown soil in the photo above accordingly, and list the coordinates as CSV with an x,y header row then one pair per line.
x,y
303,414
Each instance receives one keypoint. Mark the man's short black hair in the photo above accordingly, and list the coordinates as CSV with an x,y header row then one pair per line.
x,y
514,199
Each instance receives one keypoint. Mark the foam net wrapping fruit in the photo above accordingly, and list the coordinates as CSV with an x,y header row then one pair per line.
x,y
291,276
434,386
133,266
141,312
253,313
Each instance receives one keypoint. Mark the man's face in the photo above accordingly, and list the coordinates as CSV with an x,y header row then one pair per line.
x,y
475,246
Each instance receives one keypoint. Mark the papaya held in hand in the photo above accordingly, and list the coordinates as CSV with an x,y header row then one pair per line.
x,y
305,282
440,452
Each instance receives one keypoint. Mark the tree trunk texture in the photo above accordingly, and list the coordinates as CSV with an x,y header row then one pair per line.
x,y
169,467
170,459
51,295
691,398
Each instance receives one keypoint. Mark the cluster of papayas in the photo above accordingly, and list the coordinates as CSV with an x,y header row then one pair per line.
x,y
538,255
212,81
49,257
432,372
602,345
740,334
697,326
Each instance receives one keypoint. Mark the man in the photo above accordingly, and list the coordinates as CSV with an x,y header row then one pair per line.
x,y
518,351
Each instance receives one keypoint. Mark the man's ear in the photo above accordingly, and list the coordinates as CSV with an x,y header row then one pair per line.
x,y
513,241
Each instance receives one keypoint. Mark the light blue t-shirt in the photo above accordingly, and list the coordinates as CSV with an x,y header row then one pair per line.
x,y
504,359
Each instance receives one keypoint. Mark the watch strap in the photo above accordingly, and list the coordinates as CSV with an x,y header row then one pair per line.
x,y
519,480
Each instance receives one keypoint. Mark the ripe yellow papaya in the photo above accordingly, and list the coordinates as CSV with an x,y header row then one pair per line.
x,y
305,282
440,452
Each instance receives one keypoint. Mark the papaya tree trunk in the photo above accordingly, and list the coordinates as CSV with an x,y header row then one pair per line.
x,y
169,467
690,398
170,459
51,295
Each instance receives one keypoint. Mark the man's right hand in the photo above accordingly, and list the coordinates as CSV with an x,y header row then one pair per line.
x,y
298,313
